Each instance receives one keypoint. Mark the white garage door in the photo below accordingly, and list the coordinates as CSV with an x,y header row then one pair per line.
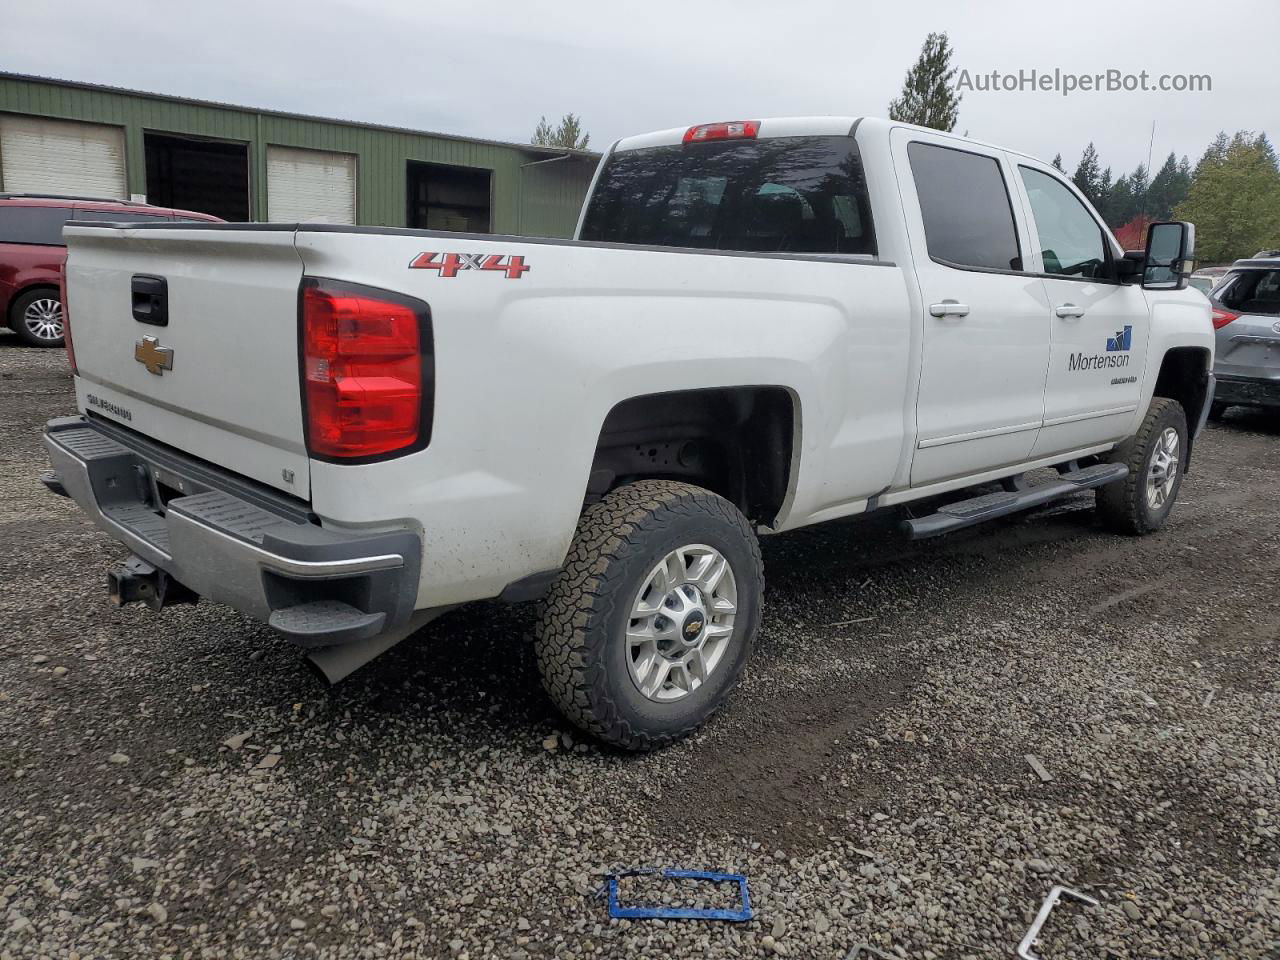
x,y
59,156
310,185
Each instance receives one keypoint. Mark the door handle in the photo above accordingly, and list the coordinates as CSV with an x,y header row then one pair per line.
x,y
1068,311
948,308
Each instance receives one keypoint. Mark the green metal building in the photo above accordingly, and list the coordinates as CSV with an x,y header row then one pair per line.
x,y
242,163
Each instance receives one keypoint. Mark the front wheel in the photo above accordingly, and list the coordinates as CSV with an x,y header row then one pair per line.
x,y
651,621
1156,456
37,318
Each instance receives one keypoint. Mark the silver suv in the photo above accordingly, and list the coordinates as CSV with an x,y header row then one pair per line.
x,y
1246,316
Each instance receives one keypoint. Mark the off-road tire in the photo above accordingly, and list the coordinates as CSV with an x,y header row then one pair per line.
x,y
1123,505
581,647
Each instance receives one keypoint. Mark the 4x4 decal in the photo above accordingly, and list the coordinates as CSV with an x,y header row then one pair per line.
x,y
449,264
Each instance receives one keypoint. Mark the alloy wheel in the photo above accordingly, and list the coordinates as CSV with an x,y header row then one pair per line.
x,y
681,623
1162,470
43,319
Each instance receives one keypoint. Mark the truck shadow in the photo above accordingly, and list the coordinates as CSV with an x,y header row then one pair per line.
x,y
477,663
468,683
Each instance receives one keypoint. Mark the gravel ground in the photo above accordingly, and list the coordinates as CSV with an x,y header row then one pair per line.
x,y
179,785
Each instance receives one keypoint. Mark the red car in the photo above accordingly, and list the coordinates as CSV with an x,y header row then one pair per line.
x,y
32,251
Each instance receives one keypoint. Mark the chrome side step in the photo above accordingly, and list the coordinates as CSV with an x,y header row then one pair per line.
x,y
967,513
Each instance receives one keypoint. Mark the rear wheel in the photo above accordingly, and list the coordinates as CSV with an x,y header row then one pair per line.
x,y
37,318
1155,455
647,629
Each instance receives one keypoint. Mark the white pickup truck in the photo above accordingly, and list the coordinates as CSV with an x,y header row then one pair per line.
x,y
342,431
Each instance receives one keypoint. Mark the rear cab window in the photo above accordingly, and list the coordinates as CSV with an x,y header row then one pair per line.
x,y
774,195
41,226
966,208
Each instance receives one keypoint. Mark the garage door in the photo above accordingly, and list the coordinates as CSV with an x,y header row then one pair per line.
x,y
310,185
58,156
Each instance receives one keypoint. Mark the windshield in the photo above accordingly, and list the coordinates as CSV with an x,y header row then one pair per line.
x,y
787,194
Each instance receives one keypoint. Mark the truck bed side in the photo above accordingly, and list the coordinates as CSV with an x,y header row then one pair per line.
x,y
527,369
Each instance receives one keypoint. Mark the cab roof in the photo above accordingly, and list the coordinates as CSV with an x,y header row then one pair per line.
x,y
839,126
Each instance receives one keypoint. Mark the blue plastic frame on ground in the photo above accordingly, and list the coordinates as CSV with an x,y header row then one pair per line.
x,y
620,912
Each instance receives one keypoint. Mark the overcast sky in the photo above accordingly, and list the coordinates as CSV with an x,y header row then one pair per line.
x,y
489,68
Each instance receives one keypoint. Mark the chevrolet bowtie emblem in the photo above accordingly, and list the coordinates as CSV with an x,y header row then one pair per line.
x,y
154,357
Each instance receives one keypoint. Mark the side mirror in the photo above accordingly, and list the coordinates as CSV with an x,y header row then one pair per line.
x,y
1171,255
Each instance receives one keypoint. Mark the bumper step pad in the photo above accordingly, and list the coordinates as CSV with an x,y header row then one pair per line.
x,y
229,514
326,622
967,513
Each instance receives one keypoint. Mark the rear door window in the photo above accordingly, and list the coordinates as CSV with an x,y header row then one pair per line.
x,y
1251,291
783,194
36,225
964,201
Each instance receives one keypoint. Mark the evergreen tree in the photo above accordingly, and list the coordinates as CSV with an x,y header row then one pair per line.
x,y
1105,191
929,97
567,136
1140,179
1057,163
1234,199
1214,154
1120,205
1139,184
1168,188
1088,176
1268,151
1105,186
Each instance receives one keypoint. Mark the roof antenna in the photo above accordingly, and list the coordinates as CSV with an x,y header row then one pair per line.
x,y
1142,212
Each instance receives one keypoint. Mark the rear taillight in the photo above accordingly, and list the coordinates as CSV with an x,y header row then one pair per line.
x,y
733,130
1222,317
66,315
367,371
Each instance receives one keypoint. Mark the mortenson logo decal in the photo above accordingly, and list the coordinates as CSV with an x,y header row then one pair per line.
x,y
1117,354
1122,341
450,264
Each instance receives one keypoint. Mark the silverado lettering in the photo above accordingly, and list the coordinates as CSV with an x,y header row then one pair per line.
x,y
107,406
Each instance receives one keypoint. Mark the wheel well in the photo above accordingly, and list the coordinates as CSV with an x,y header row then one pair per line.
x,y
1184,376
735,441
11,314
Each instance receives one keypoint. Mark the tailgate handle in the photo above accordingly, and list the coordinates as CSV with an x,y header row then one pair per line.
x,y
150,300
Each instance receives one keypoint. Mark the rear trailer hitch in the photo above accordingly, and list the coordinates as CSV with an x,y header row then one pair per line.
x,y
136,581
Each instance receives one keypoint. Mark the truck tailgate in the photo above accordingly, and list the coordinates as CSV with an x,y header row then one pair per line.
x,y
218,377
